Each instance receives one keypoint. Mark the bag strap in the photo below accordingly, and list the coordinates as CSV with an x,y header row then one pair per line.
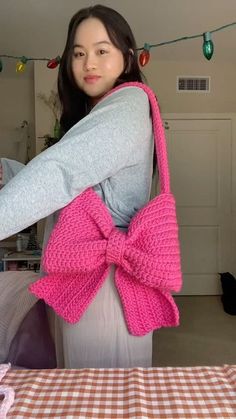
x,y
159,134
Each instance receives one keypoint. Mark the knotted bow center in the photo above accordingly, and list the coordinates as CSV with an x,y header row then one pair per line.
x,y
115,247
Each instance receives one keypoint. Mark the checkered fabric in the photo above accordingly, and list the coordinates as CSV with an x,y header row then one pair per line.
x,y
190,392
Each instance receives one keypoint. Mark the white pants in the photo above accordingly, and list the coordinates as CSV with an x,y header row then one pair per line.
x,y
101,339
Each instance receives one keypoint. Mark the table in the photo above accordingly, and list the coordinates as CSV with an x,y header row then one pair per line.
x,y
172,392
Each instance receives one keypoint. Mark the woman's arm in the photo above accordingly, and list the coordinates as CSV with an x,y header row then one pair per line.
x,y
94,149
8,169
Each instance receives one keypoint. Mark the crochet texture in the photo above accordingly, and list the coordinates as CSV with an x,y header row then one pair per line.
x,y
85,242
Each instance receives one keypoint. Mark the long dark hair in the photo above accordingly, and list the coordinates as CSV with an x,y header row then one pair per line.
x,y
74,101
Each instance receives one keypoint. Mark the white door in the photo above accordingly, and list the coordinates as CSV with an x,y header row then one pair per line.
x,y
200,168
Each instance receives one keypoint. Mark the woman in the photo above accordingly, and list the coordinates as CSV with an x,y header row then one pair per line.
x,y
107,144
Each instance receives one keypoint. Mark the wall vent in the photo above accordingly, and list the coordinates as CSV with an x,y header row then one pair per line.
x,y
193,84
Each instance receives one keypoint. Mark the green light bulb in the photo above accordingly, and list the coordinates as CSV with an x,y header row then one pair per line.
x,y
208,46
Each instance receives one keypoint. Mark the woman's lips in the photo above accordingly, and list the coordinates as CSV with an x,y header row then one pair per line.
x,y
91,79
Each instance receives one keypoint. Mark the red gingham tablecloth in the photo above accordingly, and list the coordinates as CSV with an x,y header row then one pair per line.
x,y
189,392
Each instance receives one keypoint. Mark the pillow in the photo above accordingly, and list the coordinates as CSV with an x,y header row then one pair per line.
x,y
33,346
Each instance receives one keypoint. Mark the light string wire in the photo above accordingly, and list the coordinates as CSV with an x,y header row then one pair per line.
x,y
183,38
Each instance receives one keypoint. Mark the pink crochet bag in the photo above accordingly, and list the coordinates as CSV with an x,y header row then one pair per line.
x,y
85,242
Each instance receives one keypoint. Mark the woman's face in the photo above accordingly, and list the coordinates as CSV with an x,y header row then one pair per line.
x,y
96,62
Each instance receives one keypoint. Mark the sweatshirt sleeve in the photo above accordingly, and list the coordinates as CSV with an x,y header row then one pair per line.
x,y
93,150
9,169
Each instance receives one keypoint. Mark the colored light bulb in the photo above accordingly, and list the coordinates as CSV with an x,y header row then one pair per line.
x,y
208,46
54,62
20,65
145,55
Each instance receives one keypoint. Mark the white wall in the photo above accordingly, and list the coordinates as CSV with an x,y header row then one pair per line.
x,y
19,99
161,76
16,105
45,80
221,100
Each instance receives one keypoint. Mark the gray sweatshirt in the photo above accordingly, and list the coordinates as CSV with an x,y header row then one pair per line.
x,y
111,150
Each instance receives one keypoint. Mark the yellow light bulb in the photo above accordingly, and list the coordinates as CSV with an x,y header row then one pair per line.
x,y
20,65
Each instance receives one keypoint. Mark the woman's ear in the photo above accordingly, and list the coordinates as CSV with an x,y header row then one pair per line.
x,y
130,56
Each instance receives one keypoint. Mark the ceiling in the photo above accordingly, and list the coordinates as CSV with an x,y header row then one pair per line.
x,y
38,28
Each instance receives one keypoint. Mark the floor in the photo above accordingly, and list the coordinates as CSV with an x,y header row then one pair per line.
x,y
206,335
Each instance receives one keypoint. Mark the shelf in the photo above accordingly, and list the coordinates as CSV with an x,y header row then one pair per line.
x,y
21,261
21,256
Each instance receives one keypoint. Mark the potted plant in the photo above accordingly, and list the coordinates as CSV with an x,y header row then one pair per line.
x,y
53,103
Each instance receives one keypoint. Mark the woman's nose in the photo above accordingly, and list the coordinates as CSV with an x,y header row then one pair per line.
x,y
90,63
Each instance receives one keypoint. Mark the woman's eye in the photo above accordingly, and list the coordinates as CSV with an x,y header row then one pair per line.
x,y
102,51
78,54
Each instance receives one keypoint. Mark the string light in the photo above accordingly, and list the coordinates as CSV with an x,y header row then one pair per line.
x,y
20,65
22,61
208,46
144,57
54,62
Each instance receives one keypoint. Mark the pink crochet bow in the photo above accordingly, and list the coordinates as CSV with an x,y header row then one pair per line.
x,y
85,242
